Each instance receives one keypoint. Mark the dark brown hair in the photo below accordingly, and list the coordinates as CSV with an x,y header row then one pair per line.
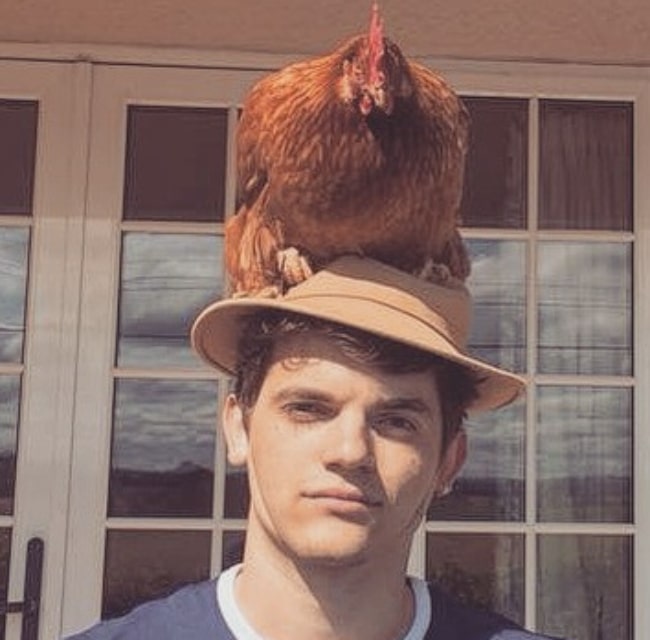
x,y
456,384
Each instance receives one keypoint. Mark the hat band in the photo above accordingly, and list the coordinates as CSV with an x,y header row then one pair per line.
x,y
430,319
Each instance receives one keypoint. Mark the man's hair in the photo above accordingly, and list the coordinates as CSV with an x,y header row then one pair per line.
x,y
456,384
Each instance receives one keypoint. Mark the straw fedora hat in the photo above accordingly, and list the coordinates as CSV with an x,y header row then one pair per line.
x,y
368,295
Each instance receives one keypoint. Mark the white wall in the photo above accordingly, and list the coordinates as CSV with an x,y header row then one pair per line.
x,y
574,30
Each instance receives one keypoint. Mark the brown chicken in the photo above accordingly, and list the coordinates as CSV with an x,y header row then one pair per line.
x,y
360,151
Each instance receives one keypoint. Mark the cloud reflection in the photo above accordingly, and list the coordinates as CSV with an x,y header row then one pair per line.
x,y
166,279
14,251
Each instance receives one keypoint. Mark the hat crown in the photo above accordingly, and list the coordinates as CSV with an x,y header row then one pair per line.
x,y
445,308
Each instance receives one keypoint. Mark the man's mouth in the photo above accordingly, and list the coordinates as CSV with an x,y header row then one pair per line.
x,y
351,495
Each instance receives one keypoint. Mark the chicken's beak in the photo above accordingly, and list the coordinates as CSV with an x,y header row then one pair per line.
x,y
375,96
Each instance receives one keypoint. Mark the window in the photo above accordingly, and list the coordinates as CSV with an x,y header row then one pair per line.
x,y
546,501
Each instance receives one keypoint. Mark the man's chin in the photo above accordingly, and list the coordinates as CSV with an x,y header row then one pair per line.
x,y
333,560
333,550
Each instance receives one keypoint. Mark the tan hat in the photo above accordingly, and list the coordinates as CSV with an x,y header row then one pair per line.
x,y
368,295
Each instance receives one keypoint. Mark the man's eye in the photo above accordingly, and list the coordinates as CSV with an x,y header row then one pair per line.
x,y
306,411
395,423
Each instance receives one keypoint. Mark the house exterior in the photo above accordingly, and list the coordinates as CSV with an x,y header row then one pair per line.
x,y
116,177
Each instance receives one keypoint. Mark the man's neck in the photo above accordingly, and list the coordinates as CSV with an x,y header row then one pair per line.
x,y
282,599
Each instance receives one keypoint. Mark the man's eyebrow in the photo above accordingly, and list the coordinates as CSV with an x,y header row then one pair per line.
x,y
301,393
405,404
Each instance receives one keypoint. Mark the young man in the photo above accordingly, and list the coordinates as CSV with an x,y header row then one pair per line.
x,y
347,413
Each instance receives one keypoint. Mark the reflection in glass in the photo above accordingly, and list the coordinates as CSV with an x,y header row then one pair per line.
x,y
491,484
233,548
237,496
18,125
586,171
14,253
163,448
166,280
496,173
483,570
498,286
584,446
584,587
175,164
9,411
5,558
585,308
143,565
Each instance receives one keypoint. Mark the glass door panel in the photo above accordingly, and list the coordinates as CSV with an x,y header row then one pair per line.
x,y
18,125
161,184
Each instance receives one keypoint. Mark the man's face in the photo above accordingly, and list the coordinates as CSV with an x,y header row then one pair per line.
x,y
342,458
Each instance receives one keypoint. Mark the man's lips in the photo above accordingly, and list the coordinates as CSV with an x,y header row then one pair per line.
x,y
350,495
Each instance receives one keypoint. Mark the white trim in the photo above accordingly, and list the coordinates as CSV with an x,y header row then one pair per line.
x,y
160,524
173,56
147,226
202,372
641,558
517,527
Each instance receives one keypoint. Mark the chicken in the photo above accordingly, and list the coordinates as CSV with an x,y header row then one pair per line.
x,y
359,151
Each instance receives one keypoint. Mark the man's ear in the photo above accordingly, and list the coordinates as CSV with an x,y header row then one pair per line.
x,y
451,462
235,432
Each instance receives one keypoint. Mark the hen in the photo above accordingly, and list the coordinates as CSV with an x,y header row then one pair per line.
x,y
359,151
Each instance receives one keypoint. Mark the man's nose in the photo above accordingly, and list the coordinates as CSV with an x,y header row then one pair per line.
x,y
349,443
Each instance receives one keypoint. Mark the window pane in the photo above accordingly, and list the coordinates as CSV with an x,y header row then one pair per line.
x,y
585,308
585,587
163,448
143,565
498,286
495,188
483,570
233,548
237,497
584,454
18,125
166,280
491,485
585,165
175,164
9,411
14,253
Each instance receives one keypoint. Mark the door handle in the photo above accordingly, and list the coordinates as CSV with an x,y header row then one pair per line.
x,y
30,606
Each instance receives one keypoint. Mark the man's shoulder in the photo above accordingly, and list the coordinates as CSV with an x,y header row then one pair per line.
x,y
453,620
188,614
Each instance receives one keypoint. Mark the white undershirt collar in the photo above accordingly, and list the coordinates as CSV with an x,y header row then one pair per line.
x,y
242,630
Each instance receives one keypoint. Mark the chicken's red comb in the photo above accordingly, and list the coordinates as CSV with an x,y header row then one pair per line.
x,y
375,43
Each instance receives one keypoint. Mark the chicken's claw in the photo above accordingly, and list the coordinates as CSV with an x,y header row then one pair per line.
x,y
293,266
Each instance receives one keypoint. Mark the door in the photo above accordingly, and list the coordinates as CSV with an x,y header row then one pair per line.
x,y
148,472
43,110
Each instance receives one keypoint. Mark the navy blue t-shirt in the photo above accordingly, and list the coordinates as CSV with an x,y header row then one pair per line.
x,y
192,613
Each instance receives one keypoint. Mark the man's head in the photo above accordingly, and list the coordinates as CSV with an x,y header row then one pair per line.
x,y
349,397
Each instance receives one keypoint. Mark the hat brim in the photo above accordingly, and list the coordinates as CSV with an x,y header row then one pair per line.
x,y
364,304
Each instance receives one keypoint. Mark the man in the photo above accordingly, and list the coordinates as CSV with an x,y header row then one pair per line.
x,y
347,413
